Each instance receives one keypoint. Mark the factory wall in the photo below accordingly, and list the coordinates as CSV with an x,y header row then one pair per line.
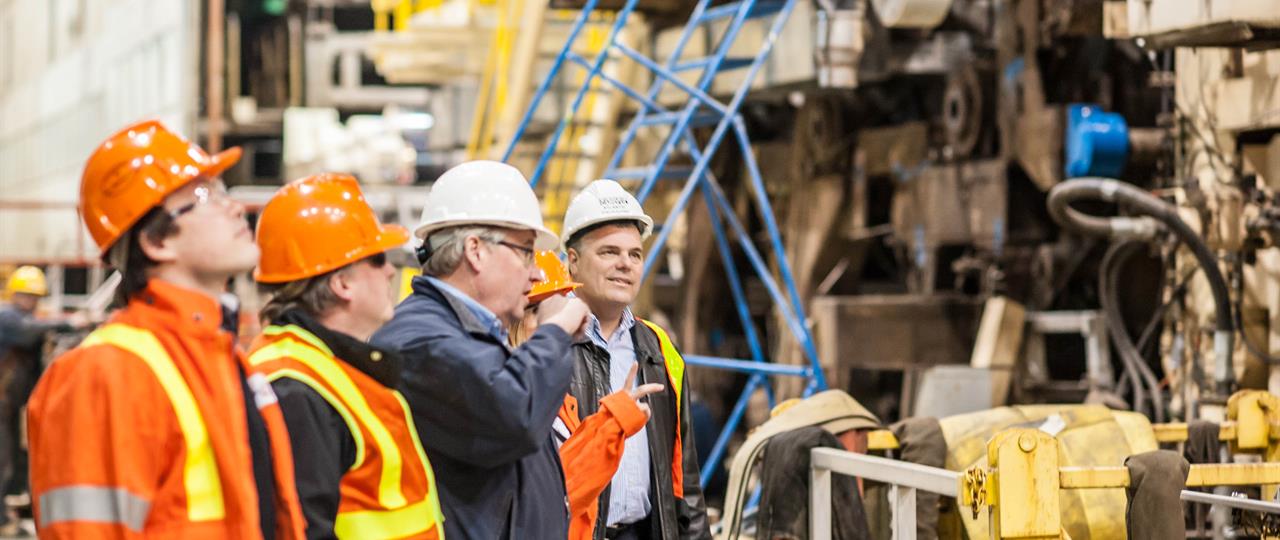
x,y
72,72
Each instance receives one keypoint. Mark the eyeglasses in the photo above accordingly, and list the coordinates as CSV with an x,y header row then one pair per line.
x,y
525,252
378,260
206,193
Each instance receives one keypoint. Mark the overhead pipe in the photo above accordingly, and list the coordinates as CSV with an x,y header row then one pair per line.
x,y
215,72
1154,214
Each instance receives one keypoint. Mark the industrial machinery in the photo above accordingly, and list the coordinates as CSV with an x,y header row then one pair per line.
x,y
926,175
978,203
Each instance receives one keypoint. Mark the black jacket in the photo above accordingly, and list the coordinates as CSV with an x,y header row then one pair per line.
x,y
784,482
324,447
673,518
484,413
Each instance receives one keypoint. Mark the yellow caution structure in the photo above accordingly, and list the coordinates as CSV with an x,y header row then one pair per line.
x,y
1053,471
1024,488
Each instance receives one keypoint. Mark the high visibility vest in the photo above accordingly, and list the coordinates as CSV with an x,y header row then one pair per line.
x,y
200,475
675,376
389,491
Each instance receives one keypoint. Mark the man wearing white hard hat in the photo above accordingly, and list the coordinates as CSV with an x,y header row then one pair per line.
x,y
655,494
484,410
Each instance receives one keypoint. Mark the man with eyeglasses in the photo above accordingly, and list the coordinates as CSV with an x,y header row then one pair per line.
x,y
150,427
484,410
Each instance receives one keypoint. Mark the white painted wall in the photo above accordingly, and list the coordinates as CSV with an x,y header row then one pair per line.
x,y
71,73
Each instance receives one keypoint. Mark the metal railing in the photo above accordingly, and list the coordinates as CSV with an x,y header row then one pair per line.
x,y
905,479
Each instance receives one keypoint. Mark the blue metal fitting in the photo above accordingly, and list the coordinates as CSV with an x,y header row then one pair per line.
x,y
1097,142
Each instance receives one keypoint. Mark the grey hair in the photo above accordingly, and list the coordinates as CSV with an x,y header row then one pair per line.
x,y
449,245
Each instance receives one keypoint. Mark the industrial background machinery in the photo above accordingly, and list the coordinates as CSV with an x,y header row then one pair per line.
x,y
922,175
940,206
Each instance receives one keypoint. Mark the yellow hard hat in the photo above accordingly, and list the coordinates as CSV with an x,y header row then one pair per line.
x,y
27,279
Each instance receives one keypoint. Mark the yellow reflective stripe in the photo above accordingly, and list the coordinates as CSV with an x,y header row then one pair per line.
x,y
333,401
295,331
200,474
397,523
671,357
432,496
389,493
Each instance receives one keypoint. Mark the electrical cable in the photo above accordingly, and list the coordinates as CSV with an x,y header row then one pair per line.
x,y
1139,372
1158,316
1154,212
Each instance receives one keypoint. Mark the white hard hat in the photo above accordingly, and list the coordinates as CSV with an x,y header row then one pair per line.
x,y
602,201
484,193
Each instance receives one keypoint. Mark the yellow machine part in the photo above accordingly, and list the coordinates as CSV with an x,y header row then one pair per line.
x,y
1087,435
406,282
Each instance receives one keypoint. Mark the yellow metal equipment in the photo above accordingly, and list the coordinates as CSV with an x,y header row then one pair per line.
x,y
501,86
388,13
494,87
1083,435
406,282
1021,487
1007,455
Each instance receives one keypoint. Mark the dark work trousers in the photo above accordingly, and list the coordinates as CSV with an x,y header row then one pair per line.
x,y
18,373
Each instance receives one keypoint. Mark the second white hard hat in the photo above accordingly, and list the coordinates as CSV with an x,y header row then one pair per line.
x,y
484,193
603,201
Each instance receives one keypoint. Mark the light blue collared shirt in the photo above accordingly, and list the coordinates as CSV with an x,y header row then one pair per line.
x,y
486,317
629,491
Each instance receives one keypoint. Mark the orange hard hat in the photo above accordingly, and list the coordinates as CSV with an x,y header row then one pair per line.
x,y
555,278
318,224
134,170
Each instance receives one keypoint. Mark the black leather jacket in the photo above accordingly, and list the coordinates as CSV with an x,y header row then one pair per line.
x,y
673,517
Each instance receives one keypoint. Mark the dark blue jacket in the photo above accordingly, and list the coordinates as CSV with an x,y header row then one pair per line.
x,y
484,413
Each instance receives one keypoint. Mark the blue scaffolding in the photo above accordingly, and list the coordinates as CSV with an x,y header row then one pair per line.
x,y
700,110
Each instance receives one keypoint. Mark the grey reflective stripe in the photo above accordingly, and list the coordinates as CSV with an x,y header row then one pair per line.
x,y
95,504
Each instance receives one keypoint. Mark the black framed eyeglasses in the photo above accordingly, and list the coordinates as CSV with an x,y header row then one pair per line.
x,y
525,252
377,260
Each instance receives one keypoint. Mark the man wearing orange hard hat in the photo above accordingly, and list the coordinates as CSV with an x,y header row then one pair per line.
x,y
150,428
363,473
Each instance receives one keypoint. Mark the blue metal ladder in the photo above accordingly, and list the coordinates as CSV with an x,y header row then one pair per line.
x,y
701,110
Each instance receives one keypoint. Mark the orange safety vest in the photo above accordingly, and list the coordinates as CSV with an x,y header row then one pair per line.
x,y
141,431
389,491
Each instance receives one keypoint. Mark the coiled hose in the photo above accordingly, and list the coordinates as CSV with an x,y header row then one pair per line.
x,y
1152,213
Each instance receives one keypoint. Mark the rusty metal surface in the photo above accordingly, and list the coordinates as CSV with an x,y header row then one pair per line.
x,y
895,332
952,205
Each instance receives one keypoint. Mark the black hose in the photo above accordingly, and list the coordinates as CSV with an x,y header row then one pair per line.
x,y
1148,333
1145,384
1123,381
1145,204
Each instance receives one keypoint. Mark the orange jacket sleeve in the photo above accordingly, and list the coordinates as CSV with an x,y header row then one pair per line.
x,y
98,425
594,450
